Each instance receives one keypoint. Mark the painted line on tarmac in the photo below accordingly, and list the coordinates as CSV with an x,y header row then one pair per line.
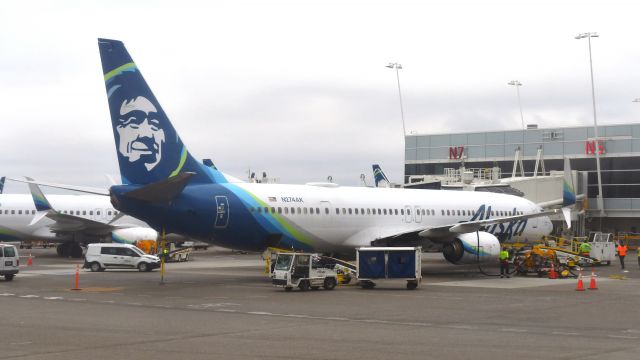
x,y
513,330
622,337
29,296
565,333
7,294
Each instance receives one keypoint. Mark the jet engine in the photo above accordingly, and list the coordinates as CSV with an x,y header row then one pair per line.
x,y
464,249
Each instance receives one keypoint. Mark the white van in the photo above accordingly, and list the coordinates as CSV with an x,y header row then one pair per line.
x,y
123,256
9,261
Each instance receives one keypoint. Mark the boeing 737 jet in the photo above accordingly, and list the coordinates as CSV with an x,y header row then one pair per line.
x,y
166,187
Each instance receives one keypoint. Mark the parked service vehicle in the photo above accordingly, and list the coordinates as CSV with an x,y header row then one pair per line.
x,y
304,271
9,261
389,264
118,256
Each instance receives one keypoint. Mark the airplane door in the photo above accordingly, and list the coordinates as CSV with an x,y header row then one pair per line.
x,y
407,214
418,212
222,212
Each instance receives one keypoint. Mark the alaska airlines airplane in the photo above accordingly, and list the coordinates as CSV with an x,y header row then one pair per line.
x,y
379,177
72,220
166,187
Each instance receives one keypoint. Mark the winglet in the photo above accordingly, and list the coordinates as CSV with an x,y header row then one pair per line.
x,y
41,202
1,184
568,192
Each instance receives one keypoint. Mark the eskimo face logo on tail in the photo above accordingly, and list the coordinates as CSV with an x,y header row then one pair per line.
x,y
140,137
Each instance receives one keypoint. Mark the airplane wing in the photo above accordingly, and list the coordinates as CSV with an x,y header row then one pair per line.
x,y
442,233
84,189
71,223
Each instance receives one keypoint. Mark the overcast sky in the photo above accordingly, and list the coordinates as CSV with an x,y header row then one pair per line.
x,y
299,88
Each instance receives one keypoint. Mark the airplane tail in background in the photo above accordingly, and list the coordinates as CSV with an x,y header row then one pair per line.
x,y
379,177
568,193
149,148
1,184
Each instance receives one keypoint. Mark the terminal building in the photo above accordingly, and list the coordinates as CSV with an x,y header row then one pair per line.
x,y
498,151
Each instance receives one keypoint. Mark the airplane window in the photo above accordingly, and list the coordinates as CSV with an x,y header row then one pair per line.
x,y
259,210
337,211
305,210
279,210
326,211
311,211
299,211
458,212
395,211
344,211
390,211
98,213
368,211
91,212
33,212
293,210
19,212
448,213
384,211
356,211
379,212
84,212
362,211
13,212
349,211
318,211
401,211
273,210
408,211
423,212
108,213
286,210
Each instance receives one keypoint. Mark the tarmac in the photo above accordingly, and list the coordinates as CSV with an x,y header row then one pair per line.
x,y
221,305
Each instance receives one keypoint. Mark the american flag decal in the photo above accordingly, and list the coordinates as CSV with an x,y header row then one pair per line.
x,y
272,199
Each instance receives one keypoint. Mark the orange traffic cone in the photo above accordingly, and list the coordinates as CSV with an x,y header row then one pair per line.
x,y
553,274
30,260
592,283
580,284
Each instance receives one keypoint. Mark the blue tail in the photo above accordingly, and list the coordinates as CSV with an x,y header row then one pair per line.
x,y
379,176
1,184
149,148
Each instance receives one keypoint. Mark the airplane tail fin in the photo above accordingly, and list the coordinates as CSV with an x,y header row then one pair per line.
x,y
149,148
1,184
379,177
42,204
568,193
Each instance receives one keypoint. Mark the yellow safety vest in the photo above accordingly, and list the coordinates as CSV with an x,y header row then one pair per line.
x,y
504,255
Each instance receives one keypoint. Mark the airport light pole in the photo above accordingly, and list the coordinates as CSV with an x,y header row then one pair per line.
x,y
588,36
404,132
517,85
398,67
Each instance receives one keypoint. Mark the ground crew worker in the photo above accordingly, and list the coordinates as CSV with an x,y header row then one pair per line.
x,y
585,249
622,252
504,263
165,254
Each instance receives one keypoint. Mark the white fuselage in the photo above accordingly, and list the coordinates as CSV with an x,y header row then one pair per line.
x,y
18,210
348,217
